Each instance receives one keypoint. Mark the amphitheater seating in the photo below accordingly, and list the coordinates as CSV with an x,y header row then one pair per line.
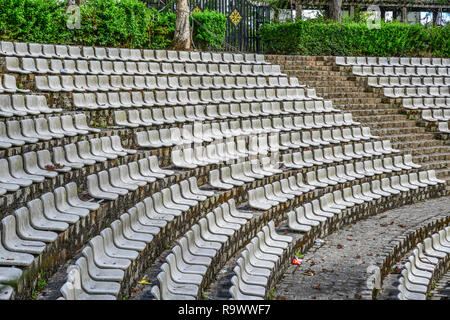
x,y
415,280
421,83
214,120
115,247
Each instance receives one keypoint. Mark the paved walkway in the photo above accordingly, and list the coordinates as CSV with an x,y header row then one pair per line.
x,y
336,268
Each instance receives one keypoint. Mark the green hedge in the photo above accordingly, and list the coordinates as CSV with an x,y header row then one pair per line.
x,y
355,39
128,23
209,29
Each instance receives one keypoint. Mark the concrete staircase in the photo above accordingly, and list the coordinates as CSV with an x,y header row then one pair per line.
x,y
385,116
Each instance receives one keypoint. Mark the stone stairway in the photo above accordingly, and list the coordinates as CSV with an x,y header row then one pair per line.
x,y
385,116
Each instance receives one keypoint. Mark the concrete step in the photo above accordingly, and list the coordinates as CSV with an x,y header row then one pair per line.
x,y
411,137
353,100
348,91
393,131
393,124
362,113
415,143
379,117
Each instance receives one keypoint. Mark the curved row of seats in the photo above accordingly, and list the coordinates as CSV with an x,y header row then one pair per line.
x,y
292,133
392,61
169,115
24,105
401,92
283,121
35,166
408,81
222,151
147,99
436,115
98,67
309,215
417,275
270,195
402,71
21,49
259,259
426,103
195,80
109,184
18,133
172,97
97,274
238,174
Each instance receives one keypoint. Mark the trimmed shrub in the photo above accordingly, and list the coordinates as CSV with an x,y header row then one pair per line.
x,y
128,23
125,23
33,20
209,29
355,39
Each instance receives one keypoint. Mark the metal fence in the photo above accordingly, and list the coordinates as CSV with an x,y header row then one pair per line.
x,y
243,20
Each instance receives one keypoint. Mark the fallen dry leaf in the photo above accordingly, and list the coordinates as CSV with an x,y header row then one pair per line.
x,y
317,286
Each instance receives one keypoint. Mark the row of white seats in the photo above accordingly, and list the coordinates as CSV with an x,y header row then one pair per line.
x,y
392,61
402,92
109,184
307,159
270,195
8,84
240,173
97,274
290,137
259,259
312,214
436,115
402,71
29,229
155,116
23,105
223,151
18,133
186,265
23,170
426,103
380,82
170,115
418,271
202,79
55,66
170,97
125,99
37,50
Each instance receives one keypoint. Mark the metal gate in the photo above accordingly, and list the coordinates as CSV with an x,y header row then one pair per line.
x,y
243,21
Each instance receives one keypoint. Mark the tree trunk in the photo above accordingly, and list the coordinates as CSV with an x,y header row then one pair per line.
x,y
298,9
182,36
335,12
